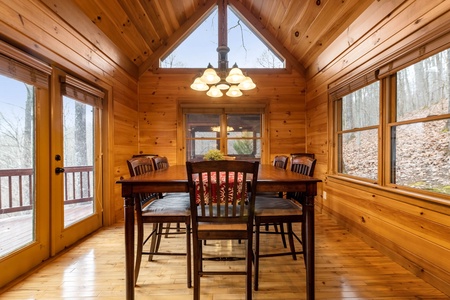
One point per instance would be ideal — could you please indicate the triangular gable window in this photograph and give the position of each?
(200, 47)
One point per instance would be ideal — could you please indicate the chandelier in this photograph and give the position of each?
(216, 82)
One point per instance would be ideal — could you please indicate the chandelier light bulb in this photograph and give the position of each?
(223, 85)
(233, 84)
(199, 85)
(234, 91)
(214, 92)
(236, 76)
(210, 76)
(247, 84)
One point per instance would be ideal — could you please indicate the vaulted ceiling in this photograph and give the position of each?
(136, 33)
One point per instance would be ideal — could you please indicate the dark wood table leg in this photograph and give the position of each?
(129, 247)
(310, 264)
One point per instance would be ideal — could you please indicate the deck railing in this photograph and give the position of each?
(16, 188)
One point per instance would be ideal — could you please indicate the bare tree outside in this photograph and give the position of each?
(17, 129)
(172, 62)
(419, 129)
(269, 60)
(247, 49)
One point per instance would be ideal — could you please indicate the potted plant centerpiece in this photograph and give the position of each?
(213, 154)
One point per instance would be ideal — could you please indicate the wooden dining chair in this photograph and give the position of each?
(301, 154)
(279, 161)
(162, 163)
(157, 211)
(279, 211)
(222, 195)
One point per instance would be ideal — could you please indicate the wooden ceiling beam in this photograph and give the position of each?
(257, 26)
(177, 37)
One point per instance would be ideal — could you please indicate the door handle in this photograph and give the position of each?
(59, 170)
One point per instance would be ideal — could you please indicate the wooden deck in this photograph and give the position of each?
(346, 268)
(17, 231)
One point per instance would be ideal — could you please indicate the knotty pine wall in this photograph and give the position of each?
(34, 28)
(413, 231)
(159, 95)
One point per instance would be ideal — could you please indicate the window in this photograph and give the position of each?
(420, 126)
(247, 48)
(17, 163)
(358, 132)
(237, 135)
(413, 135)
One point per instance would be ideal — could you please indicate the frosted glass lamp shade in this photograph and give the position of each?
(234, 91)
(236, 76)
(199, 85)
(247, 84)
(223, 85)
(214, 92)
(210, 76)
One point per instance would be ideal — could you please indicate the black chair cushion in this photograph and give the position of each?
(169, 205)
(272, 206)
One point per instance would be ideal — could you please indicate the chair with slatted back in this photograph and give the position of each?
(222, 195)
(279, 161)
(303, 164)
(157, 211)
(162, 163)
(301, 154)
(279, 210)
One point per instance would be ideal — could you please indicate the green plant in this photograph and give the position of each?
(243, 147)
(213, 154)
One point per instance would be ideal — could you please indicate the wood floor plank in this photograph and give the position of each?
(346, 268)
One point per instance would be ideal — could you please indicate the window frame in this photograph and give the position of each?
(386, 74)
(222, 108)
(339, 132)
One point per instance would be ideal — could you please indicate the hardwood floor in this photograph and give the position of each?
(346, 268)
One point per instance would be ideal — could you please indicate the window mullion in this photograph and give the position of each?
(384, 133)
(223, 133)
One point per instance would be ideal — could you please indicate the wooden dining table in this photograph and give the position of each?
(174, 179)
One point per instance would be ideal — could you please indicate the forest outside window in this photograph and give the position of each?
(420, 126)
(357, 134)
(237, 135)
(410, 131)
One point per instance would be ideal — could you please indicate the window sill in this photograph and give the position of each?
(440, 203)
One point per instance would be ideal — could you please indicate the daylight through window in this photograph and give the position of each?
(237, 135)
(417, 135)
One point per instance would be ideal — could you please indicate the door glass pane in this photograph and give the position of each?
(17, 211)
(78, 128)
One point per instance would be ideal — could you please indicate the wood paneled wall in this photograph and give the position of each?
(412, 231)
(35, 28)
(159, 95)
(143, 116)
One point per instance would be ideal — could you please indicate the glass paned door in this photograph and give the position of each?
(76, 163)
(78, 140)
(17, 168)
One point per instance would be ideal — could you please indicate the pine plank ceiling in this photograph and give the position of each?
(136, 33)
